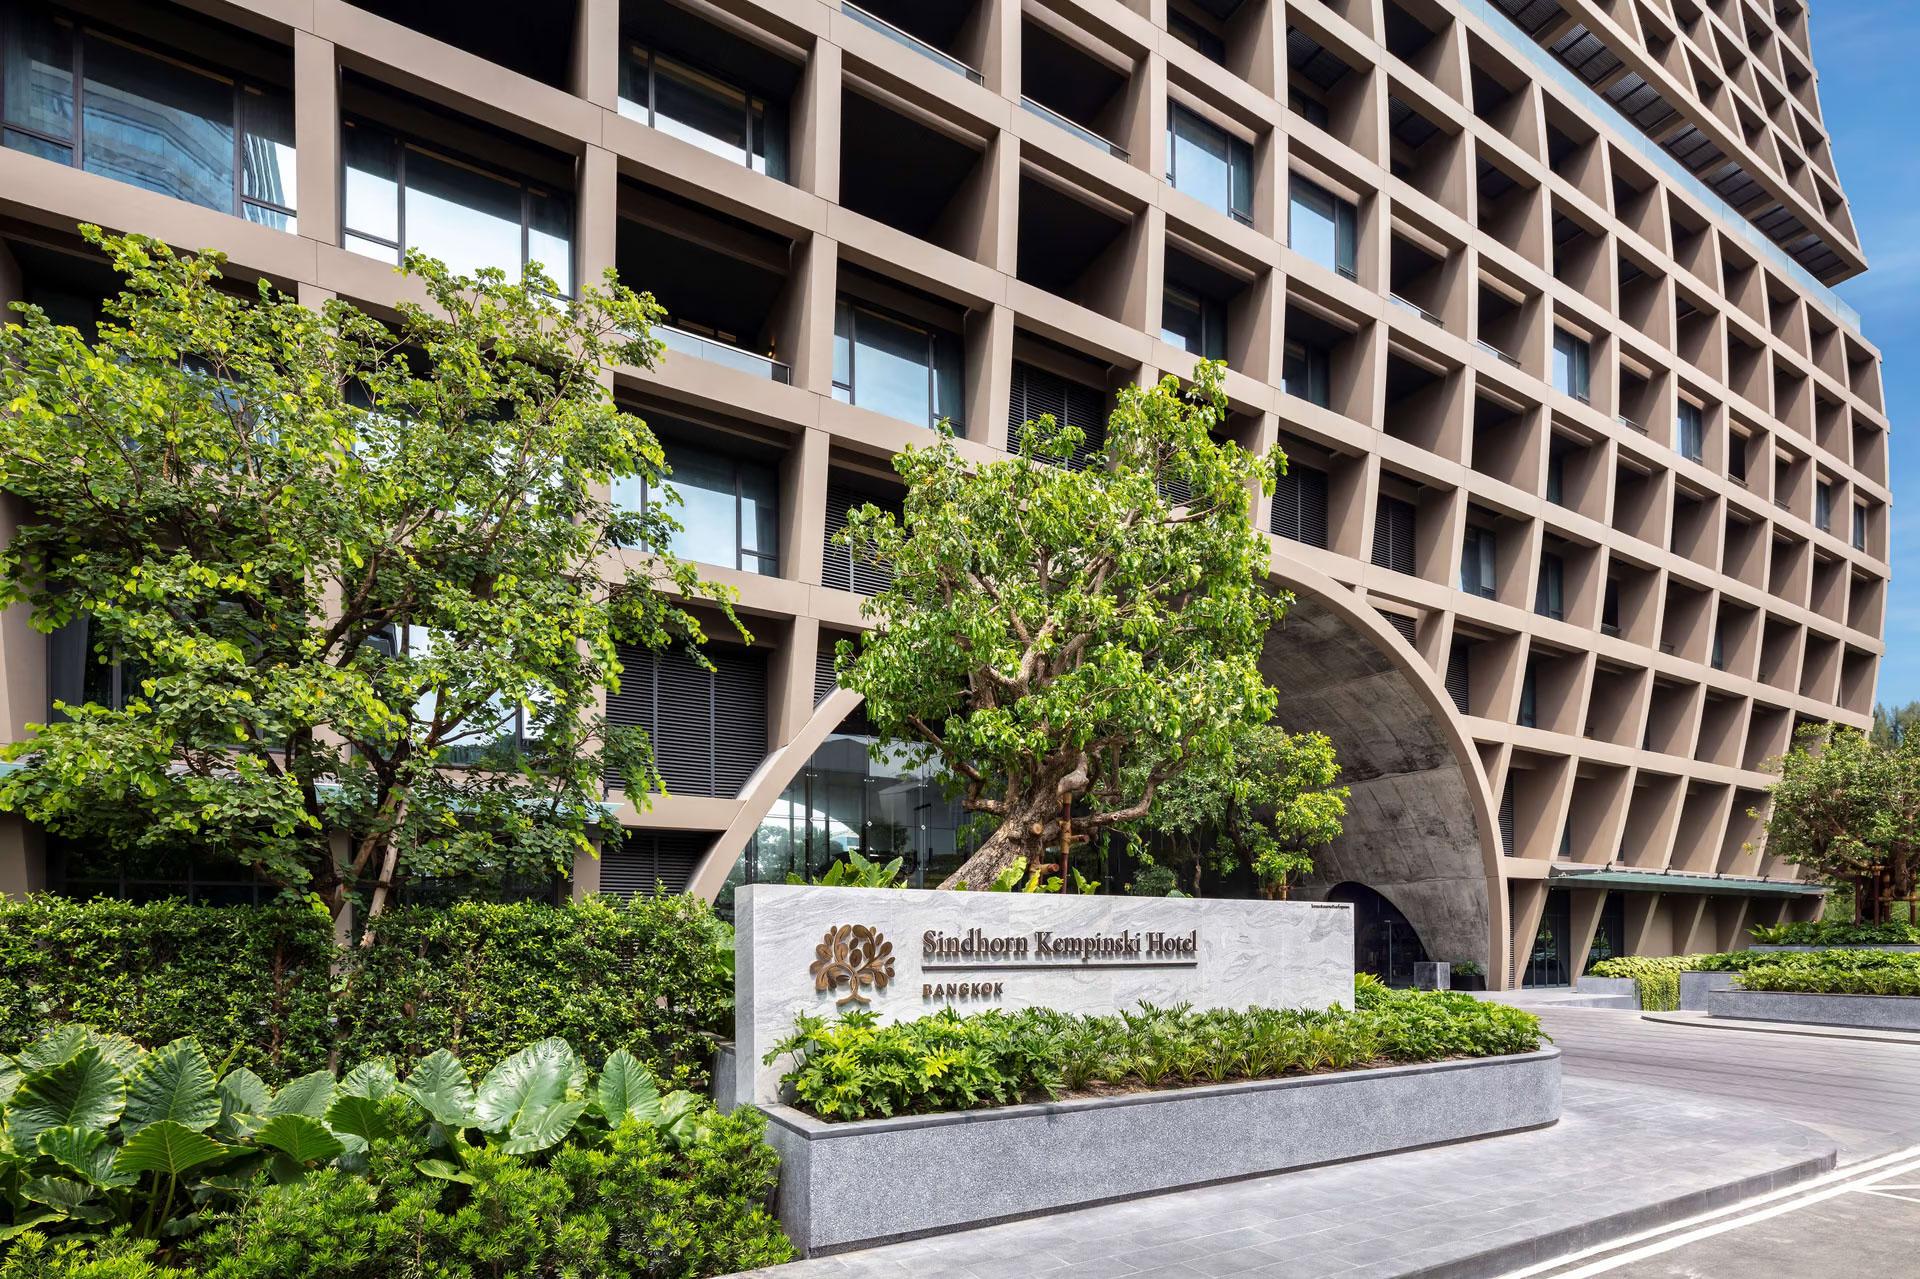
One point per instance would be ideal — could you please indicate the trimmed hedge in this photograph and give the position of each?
(1837, 934)
(1657, 977)
(268, 985)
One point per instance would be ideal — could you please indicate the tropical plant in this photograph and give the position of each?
(1063, 641)
(856, 871)
(1834, 933)
(1154, 880)
(99, 1132)
(1835, 972)
(856, 1067)
(356, 570)
(1848, 811)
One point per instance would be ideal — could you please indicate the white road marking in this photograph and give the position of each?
(1865, 1177)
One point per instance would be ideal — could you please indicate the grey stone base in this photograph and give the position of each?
(846, 1185)
(1610, 988)
(1695, 987)
(1873, 1012)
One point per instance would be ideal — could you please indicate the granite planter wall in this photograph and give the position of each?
(845, 1185)
(1872, 1012)
(1695, 987)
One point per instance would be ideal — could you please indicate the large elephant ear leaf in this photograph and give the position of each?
(167, 1147)
(10, 1077)
(66, 1197)
(174, 1082)
(309, 1095)
(538, 1129)
(84, 1091)
(370, 1079)
(86, 1153)
(532, 1080)
(358, 1120)
(244, 1098)
(627, 1089)
(439, 1086)
(65, 1041)
(301, 1138)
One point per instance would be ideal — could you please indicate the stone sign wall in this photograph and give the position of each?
(905, 953)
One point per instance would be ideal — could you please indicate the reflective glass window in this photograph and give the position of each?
(895, 367)
(157, 125)
(36, 79)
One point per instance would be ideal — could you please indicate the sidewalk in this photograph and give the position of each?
(1623, 1158)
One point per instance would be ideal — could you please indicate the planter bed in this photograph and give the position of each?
(1872, 1012)
(1696, 988)
(1903, 950)
(869, 1181)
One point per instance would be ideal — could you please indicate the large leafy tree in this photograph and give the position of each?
(362, 576)
(1263, 804)
(1066, 640)
(1848, 810)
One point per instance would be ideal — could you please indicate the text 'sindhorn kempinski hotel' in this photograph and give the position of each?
(1588, 504)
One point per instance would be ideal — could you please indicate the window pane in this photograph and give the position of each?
(891, 362)
(1181, 321)
(550, 237)
(707, 507)
(14, 140)
(1310, 225)
(759, 518)
(466, 219)
(260, 215)
(842, 347)
(633, 84)
(373, 195)
(36, 72)
(695, 109)
(372, 248)
(1199, 160)
(1240, 161)
(266, 148)
(155, 125)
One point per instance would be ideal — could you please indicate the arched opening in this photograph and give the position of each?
(1384, 942)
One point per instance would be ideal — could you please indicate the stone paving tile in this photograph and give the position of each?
(1390, 1216)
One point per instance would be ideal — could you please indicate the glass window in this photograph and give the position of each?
(1549, 596)
(729, 508)
(1687, 431)
(1570, 364)
(1209, 164)
(150, 121)
(1477, 563)
(895, 367)
(1195, 324)
(1859, 527)
(372, 190)
(1823, 506)
(1557, 477)
(1529, 699)
(1321, 226)
(466, 218)
(704, 110)
(1304, 372)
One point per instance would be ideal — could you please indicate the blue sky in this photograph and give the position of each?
(1868, 98)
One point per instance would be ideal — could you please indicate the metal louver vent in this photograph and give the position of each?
(825, 679)
(846, 569)
(649, 862)
(1037, 392)
(1404, 624)
(1457, 661)
(1393, 534)
(708, 728)
(1506, 820)
(1300, 505)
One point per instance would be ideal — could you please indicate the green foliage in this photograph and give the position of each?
(1154, 880)
(258, 986)
(1657, 977)
(1835, 933)
(1065, 640)
(536, 1169)
(1261, 803)
(1468, 968)
(1893, 725)
(1836, 972)
(248, 500)
(856, 1067)
(857, 872)
(1848, 810)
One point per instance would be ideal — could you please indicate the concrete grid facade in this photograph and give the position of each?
(1575, 311)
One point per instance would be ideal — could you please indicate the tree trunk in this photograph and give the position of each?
(1013, 839)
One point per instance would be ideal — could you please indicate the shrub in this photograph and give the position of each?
(539, 1169)
(653, 975)
(1823, 933)
(1657, 977)
(855, 1067)
(1829, 972)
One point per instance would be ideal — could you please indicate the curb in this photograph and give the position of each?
(1862, 1034)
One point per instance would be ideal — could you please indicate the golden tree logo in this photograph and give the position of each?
(854, 956)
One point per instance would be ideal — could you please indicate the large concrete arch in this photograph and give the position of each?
(1420, 825)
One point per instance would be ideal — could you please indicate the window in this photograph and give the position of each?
(710, 113)
(1393, 534)
(77, 96)
(1190, 33)
(1458, 686)
(1737, 456)
(1570, 364)
(1305, 370)
(1859, 527)
(1312, 110)
(1195, 324)
(1549, 594)
(1529, 698)
(1209, 164)
(1300, 505)
(1718, 657)
(399, 193)
(708, 727)
(1557, 477)
(729, 508)
(1037, 392)
(1687, 432)
(894, 366)
(1610, 608)
(1477, 562)
(1321, 226)
(1823, 506)
(492, 734)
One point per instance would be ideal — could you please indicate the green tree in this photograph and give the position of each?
(1262, 804)
(363, 576)
(1847, 810)
(1064, 641)
(1892, 725)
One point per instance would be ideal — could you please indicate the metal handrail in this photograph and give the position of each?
(1498, 354)
(1079, 131)
(734, 357)
(912, 41)
(1408, 304)
(1629, 423)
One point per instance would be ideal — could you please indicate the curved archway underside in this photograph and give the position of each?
(1412, 830)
